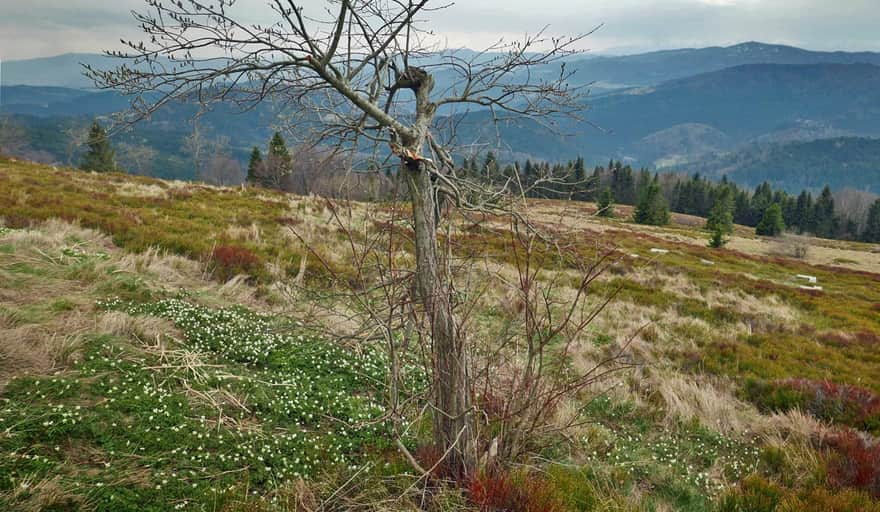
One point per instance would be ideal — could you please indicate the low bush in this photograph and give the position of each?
(229, 261)
(756, 494)
(854, 462)
(496, 489)
(849, 405)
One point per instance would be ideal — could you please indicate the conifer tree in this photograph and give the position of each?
(872, 228)
(100, 156)
(605, 203)
(742, 209)
(823, 214)
(771, 224)
(761, 200)
(716, 239)
(652, 207)
(255, 167)
(721, 214)
(278, 162)
(803, 212)
(579, 177)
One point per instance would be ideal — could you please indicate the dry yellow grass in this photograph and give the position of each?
(864, 257)
(689, 397)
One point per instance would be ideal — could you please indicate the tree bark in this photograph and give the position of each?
(453, 432)
(451, 414)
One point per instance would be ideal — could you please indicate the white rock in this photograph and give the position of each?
(659, 251)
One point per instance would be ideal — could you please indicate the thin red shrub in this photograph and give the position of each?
(497, 490)
(851, 405)
(855, 462)
(229, 261)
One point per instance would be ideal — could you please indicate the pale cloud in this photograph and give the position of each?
(31, 28)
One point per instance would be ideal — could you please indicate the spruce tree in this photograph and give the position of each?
(579, 176)
(872, 228)
(823, 214)
(721, 214)
(278, 162)
(605, 203)
(803, 212)
(100, 156)
(771, 224)
(761, 200)
(716, 239)
(651, 207)
(255, 167)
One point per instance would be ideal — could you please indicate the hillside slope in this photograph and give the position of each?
(141, 370)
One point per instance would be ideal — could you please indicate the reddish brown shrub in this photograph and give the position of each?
(497, 490)
(864, 337)
(855, 462)
(14, 221)
(849, 405)
(229, 261)
(868, 338)
(835, 338)
(288, 221)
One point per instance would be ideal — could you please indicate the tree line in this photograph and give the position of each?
(770, 211)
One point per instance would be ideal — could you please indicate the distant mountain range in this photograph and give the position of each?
(662, 66)
(714, 109)
(59, 71)
(610, 71)
(689, 121)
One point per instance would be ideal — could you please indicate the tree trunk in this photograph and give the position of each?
(452, 416)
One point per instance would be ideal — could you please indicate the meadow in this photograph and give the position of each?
(171, 345)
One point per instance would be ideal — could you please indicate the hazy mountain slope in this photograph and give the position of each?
(839, 162)
(627, 70)
(59, 71)
(59, 101)
(681, 122)
(737, 104)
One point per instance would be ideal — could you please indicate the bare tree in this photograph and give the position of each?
(854, 205)
(197, 146)
(75, 137)
(137, 158)
(363, 72)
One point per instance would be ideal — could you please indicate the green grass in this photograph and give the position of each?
(246, 402)
(302, 407)
(190, 222)
(681, 463)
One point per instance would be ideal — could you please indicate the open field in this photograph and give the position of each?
(141, 369)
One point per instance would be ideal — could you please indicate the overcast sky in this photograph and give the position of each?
(37, 28)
